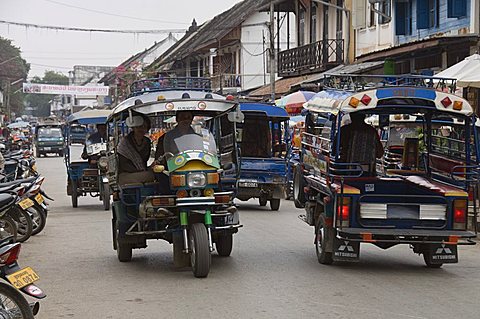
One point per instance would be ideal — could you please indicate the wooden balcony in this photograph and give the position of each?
(311, 58)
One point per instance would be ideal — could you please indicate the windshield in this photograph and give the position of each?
(50, 132)
(77, 129)
(199, 139)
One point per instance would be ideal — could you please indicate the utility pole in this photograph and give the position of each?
(272, 51)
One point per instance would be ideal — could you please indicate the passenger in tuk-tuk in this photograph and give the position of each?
(134, 153)
(360, 143)
(100, 136)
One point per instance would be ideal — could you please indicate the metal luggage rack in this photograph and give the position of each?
(355, 82)
(169, 83)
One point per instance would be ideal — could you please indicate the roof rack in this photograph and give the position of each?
(169, 83)
(356, 82)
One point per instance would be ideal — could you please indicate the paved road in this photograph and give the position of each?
(272, 273)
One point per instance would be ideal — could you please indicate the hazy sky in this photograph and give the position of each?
(61, 50)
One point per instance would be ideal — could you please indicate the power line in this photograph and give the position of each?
(113, 14)
(39, 26)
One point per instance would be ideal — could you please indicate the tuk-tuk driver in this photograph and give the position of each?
(360, 143)
(184, 126)
(100, 136)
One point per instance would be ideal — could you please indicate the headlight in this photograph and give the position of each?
(103, 162)
(196, 179)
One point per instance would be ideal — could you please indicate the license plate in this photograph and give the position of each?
(39, 198)
(47, 148)
(23, 277)
(26, 203)
(247, 183)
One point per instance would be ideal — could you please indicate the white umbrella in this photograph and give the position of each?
(467, 72)
(18, 125)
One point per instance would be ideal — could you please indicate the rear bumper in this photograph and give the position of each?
(407, 236)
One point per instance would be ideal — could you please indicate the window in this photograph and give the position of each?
(373, 21)
(385, 9)
(457, 8)
(301, 25)
(313, 22)
(340, 21)
(403, 18)
(427, 14)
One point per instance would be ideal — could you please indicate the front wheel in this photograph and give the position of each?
(323, 256)
(298, 185)
(106, 197)
(124, 251)
(24, 226)
(224, 245)
(275, 204)
(262, 201)
(200, 257)
(60, 153)
(13, 304)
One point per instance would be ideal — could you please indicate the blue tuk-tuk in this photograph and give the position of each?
(412, 188)
(87, 176)
(264, 144)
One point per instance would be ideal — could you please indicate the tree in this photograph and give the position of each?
(40, 102)
(12, 68)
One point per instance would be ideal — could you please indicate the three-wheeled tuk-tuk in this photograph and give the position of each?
(87, 176)
(187, 203)
(411, 189)
(265, 142)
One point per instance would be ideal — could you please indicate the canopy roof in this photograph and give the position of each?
(269, 110)
(20, 124)
(467, 72)
(89, 117)
(334, 101)
(172, 101)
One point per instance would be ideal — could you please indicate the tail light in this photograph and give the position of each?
(343, 212)
(460, 214)
(34, 190)
(163, 201)
(20, 190)
(11, 255)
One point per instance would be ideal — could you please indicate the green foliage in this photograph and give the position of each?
(40, 102)
(12, 69)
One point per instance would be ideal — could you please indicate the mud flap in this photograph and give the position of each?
(443, 254)
(345, 250)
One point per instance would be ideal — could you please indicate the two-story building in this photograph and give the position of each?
(416, 36)
(232, 49)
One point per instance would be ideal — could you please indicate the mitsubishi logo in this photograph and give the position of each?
(443, 250)
(346, 246)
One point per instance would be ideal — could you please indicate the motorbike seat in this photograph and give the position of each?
(6, 200)
(18, 182)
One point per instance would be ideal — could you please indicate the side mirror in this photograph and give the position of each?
(168, 155)
(236, 117)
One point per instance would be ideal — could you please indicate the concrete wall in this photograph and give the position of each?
(253, 55)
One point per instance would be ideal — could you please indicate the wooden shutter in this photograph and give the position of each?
(359, 14)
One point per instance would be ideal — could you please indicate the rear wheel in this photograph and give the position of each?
(298, 185)
(9, 227)
(262, 201)
(39, 219)
(323, 256)
(275, 204)
(24, 226)
(13, 304)
(224, 244)
(427, 258)
(200, 257)
(74, 194)
(124, 251)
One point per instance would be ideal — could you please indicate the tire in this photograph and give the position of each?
(275, 204)
(200, 257)
(37, 153)
(60, 153)
(9, 227)
(39, 218)
(323, 257)
(106, 197)
(124, 251)
(224, 244)
(298, 185)
(262, 201)
(13, 303)
(24, 226)
(74, 194)
(426, 258)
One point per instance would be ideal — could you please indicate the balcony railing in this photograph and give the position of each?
(311, 58)
(226, 81)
